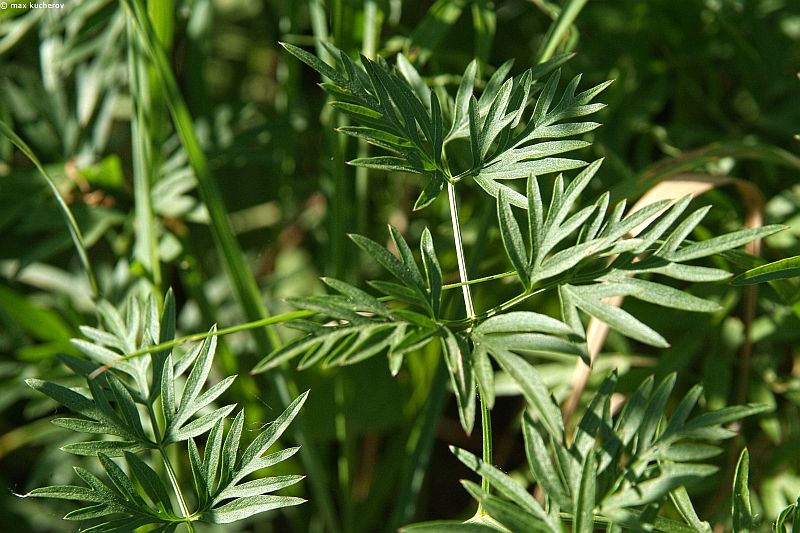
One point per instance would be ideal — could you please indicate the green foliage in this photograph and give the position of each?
(132, 405)
(787, 514)
(742, 512)
(155, 126)
(397, 112)
(617, 470)
(778, 270)
(400, 114)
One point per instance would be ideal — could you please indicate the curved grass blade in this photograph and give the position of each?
(72, 225)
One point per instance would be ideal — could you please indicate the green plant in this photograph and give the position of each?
(618, 471)
(136, 411)
(786, 268)
(584, 253)
(145, 208)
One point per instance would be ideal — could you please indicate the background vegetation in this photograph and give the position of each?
(704, 91)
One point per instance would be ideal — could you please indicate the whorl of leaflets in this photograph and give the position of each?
(135, 409)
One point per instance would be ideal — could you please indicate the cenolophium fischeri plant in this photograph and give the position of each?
(615, 471)
(136, 402)
(618, 469)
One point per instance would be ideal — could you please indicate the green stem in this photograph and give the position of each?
(372, 28)
(154, 421)
(479, 280)
(462, 265)
(294, 315)
(486, 424)
(343, 461)
(277, 319)
(176, 487)
(555, 34)
(486, 435)
(516, 300)
(145, 249)
(418, 450)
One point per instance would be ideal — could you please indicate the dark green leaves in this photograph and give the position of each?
(396, 112)
(592, 257)
(516, 154)
(456, 355)
(248, 506)
(779, 270)
(386, 105)
(512, 239)
(117, 502)
(620, 470)
(507, 487)
(124, 406)
(191, 401)
(512, 332)
(363, 326)
(742, 512)
(615, 317)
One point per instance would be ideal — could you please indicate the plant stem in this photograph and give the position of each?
(369, 47)
(277, 319)
(462, 266)
(479, 280)
(145, 249)
(486, 435)
(560, 25)
(176, 487)
(294, 315)
(343, 461)
(418, 448)
(486, 424)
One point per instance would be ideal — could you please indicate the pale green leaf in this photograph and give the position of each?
(722, 243)
(669, 478)
(242, 508)
(585, 497)
(502, 483)
(778, 270)
(112, 448)
(433, 272)
(533, 389)
(512, 238)
(509, 515)
(456, 357)
(541, 465)
(616, 318)
(267, 438)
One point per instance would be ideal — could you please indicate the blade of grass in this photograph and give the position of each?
(335, 180)
(72, 225)
(555, 35)
(245, 288)
(418, 448)
(484, 23)
(442, 15)
(373, 17)
(242, 280)
(145, 248)
(343, 461)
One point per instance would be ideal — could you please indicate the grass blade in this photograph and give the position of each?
(72, 225)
